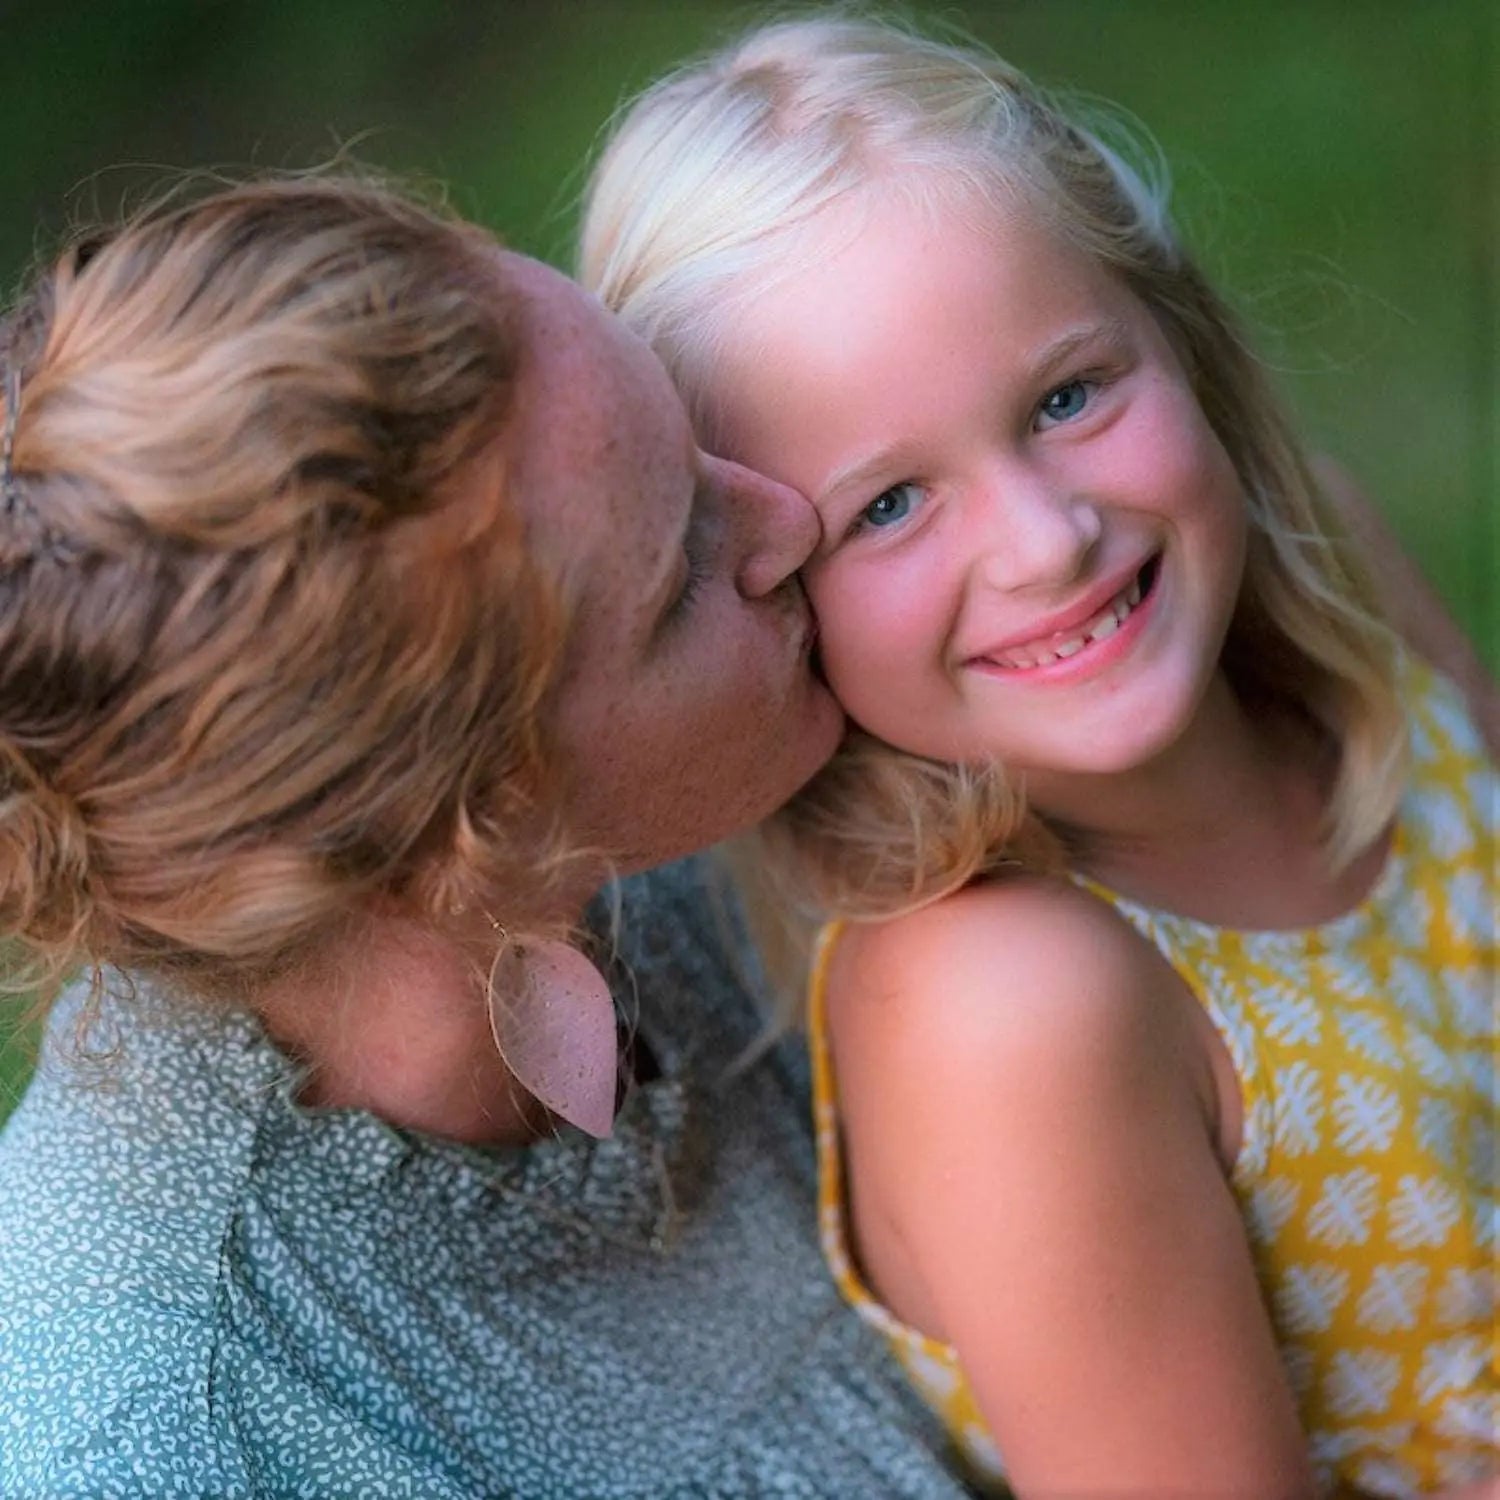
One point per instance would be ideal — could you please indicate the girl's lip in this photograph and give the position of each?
(1040, 634)
(1096, 655)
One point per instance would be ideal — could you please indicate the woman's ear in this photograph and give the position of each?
(553, 1019)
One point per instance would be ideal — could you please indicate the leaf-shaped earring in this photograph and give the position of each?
(554, 1024)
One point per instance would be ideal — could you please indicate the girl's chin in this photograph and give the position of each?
(1097, 755)
(1105, 735)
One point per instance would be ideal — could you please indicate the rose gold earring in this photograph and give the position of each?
(554, 1024)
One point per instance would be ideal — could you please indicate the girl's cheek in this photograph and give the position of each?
(848, 626)
(877, 620)
(829, 595)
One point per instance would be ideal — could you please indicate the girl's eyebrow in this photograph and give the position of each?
(1056, 353)
(1037, 367)
(858, 475)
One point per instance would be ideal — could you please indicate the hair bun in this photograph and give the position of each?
(45, 900)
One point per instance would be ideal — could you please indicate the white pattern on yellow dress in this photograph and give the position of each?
(1366, 1053)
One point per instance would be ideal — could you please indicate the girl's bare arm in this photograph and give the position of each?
(1030, 1125)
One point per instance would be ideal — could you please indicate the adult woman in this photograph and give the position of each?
(364, 603)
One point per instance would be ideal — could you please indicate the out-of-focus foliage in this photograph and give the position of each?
(1337, 165)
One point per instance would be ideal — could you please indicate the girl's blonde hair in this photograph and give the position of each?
(702, 199)
(270, 645)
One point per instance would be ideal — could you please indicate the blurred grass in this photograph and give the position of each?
(18, 1044)
(1336, 163)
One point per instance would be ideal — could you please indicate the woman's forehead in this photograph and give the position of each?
(602, 456)
(593, 382)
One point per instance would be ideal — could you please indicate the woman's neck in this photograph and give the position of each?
(394, 1021)
(1226, 826)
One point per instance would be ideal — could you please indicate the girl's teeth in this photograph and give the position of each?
(1104, 624)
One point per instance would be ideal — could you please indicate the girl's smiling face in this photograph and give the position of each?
(1033, 539)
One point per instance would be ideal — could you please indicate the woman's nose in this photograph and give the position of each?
(775, 529)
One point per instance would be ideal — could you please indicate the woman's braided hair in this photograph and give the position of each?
(270, 645)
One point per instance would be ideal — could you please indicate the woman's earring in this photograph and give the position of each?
(554, 1023)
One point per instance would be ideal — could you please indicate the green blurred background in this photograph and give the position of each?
(1335, 160)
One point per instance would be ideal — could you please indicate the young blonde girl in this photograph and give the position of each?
(1160, 1142)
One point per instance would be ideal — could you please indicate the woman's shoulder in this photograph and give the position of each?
(145, 1110)
(109, 1261)
(102, 1417)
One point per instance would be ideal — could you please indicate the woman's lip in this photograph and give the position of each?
(1095, 657)
(1044, 634)
(804, 634)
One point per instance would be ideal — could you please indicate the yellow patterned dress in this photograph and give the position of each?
(1366, 1053)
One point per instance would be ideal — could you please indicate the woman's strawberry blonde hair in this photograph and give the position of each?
(710, 188)
(270, 645)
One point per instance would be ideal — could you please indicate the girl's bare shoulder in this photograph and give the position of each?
(1001, 964)
(1030, 991)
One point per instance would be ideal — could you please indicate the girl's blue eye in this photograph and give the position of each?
(889, 507)
(1066, 402)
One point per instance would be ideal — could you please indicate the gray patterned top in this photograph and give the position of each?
(207, 1290)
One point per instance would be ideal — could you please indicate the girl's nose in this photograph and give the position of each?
(1037, 535)
(775, 529)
